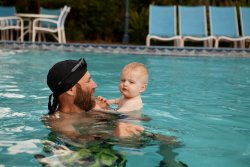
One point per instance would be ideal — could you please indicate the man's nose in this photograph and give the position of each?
(94, 85)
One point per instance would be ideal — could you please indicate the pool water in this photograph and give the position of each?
(203, 101)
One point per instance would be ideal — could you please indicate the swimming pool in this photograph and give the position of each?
(203, 101)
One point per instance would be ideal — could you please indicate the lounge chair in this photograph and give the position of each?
(9, 22)
(162, 24)
(224, 25)
(193, 25)
(245, 24)
(51, 26)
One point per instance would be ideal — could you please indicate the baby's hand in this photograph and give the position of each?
(103, 99)
(101, 103)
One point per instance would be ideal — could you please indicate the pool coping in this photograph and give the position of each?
(127, 49)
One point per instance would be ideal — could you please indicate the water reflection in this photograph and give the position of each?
(87, 139)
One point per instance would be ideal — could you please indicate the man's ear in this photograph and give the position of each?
(143, 88)
(71, 91)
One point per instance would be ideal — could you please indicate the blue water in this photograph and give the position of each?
(203, 101)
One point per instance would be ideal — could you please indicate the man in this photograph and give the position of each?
(72, 87)
(73, 98)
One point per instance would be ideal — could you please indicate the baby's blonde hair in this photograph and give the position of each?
(141, 68)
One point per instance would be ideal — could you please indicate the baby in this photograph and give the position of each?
(134, 80)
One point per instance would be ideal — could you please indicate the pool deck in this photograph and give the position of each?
(127, 49)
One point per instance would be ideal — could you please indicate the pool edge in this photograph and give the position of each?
(127, 49)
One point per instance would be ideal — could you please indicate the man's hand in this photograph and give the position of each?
(126, 130)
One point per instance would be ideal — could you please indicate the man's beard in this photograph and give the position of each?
(84, 99)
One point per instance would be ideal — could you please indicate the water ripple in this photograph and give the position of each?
(12, 95)
(26, 146)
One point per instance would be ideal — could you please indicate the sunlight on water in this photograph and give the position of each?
(12, 95)
(16, 147)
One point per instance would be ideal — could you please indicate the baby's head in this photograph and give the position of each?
(136, 75)
(137, 68)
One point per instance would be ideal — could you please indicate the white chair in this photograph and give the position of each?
(57, 31)
(9, 22)
(45, 11)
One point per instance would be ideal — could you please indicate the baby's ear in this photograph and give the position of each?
(143, 88)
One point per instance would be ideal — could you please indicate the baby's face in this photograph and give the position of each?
(131, 83)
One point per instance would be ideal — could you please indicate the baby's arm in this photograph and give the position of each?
(110, 101)
(113, 101)
(100, 105)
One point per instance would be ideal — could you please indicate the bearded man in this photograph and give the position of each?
(71, 102)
